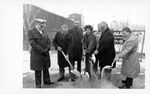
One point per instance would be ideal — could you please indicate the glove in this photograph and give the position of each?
(59, 48)
(96, 52)
(67, 57)
(84, 52)
(116, 58)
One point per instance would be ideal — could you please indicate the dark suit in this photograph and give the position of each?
(77, 34)
(39, 59)
(106, 50)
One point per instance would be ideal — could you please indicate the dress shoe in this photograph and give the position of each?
(123, 81)
(124, 87)
(72, 80)
(61, 78)
(38, 86)
(49, 83)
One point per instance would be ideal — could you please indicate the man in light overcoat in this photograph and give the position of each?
(130, 64)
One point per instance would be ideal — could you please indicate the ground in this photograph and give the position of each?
(28, 75)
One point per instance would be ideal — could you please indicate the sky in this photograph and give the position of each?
(95, 11)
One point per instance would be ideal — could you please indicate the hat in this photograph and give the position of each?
(41, 21)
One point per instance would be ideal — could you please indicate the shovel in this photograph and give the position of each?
(107, 69)
(74, 74)
(90, 74)
(107, 66)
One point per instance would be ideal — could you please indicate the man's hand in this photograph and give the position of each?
(84, 52)
(116, 58)
(67, 57)
(59, 48)
(96, 52)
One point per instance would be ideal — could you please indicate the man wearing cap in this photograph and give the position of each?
(105, 51)
(39, 58)
(77, 34)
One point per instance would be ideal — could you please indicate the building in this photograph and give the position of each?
(54, 22)
(76, 16)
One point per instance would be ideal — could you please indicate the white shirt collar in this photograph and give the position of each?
(39, 30)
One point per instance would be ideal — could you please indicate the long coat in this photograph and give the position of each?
(89, 42)
(77, 34)
(106, 50)
(130, 65)
(39, 58)
(65, 42)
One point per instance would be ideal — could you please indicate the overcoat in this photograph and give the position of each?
(77, 34)
(40, 46)
(130, 64)
(65, 42)
(106, 50)
(89, 42)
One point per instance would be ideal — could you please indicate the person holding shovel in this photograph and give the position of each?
(130, 56)
(89, 44)
(63, 42)
(105, 51)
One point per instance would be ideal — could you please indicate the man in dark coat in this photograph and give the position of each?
(105, 51)
(39, 58)
(77, 34)
(89, 44)
(63, 41)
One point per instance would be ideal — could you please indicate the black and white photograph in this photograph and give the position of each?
(75, 45)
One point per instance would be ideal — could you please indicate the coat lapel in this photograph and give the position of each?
(125, 43)
(103, 36)
(38, 34)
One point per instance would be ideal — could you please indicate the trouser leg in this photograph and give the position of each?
(101, 67)
(96, 63)
(72, 63)
(79, 65)
(87, 64)
(128, 82)
(38, 78)
(46, 76)
(61, 71)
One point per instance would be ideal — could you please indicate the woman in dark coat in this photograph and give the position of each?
(77, 34)
(63, 41)
(89, 44)
(39, 58)
(105, 51)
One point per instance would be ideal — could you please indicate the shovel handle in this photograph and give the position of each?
(66, 59)
(113, 63)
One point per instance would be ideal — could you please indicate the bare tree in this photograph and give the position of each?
(29, 14)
